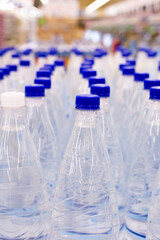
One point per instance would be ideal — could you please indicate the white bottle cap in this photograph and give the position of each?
(12, 99)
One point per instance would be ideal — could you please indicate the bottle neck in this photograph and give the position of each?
(154, 105)
(13, 119)
(105, 104)
(34, 101)
(86, 118)
(59, 71)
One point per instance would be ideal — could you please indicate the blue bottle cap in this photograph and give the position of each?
(35, 90)
(15, 55)
(121, 66)
(86, 65)
(6, 71)
(89, 60)
(46, 69)
(98, 49)
(25, 63)
(59, 62)
(98, 54)
(78, 53)
(120, 48)
(89, 73)
(49, 66)
(82, 69)
(44, 81)
(142, 49)
(102, 90)
(141, 76)
(44, 73)
(96, 80)
(87, 102)
(12, 68)
(152, 54)
(27, 52)
(128, 71)
(148, 83)
(131, 62)
(126, 53)
(155, 93)
(53, 51)
(1, 75)
(41, 54)
(2, 52)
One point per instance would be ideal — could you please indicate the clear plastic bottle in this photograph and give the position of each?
(28, 54)
(42, 59)
(85, 206)
(12, 82)
(142, 59)
(24, 74)
(1, 82)
(153, 230)
(52, 55)
(44, 73)
(43, 135)
(137, 136)
(83, 86)
(6, 73)
(96, 80)
(52, 111)
(15, 59)
(144, 167)
(152, 63)
(111, 142)
(120, 110)
(24, 212)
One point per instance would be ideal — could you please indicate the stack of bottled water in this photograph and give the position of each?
(80, 143)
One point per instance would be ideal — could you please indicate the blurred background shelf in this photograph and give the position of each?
(66, 20)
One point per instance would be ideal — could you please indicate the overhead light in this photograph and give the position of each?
(95, 5)
(10, 6)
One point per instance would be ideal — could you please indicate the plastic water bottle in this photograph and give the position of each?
(73, 68)
(28, 55)
(42, 59)
(43, 135)
(80, 79)
(142, 59)
(24, 74)
(15, 58)
(118, 80)
(1, 82)
(85, 205)
(24, 212)
(124, 97)
(52, 55)
(6, 73)
(13, 83)
(57, 98)
(96, 80)
(52, 111)
(59, 80)
(137, 135)
(144, 168)
(136, 102)
(152, 63)
(83, 87)
(153, 231)
(137, 96)
(112, 144)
